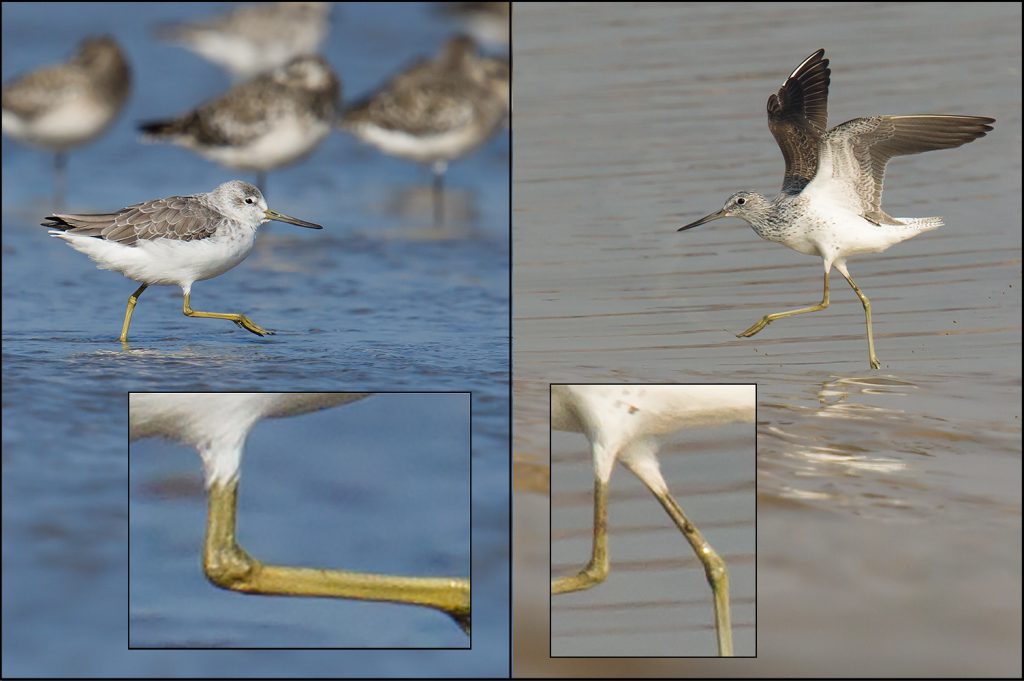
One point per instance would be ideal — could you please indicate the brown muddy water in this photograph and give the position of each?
(888, 530)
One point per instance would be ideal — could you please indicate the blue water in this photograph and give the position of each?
(378, 300)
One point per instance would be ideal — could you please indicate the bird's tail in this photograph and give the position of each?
(896, 230)
(918, 225)
(155, 131)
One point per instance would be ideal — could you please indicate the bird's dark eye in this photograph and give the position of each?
(740, 202)
(250, 200)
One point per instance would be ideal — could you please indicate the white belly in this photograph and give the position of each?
(166, 262)
(74, 122)
(289, 140)
(444, 146)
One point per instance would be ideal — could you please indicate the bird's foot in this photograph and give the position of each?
(764, 321)
(251, 326)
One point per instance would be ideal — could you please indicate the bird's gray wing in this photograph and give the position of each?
(860, 149)
(182, 218)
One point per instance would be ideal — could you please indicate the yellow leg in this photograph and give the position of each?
(597, 569)
(240, 319)
(227, 565)
(872, 357)
(714, 570)
(768, 319)
(132, 299)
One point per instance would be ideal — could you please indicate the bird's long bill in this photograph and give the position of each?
(707, 218)
(281, 217)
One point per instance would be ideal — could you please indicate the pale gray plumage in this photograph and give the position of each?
(181, 218)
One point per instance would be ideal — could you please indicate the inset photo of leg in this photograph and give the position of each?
(355, 505)
(679, 583)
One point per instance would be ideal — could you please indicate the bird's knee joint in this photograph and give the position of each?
(716, 570)
(596, 571)
(230, 568)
